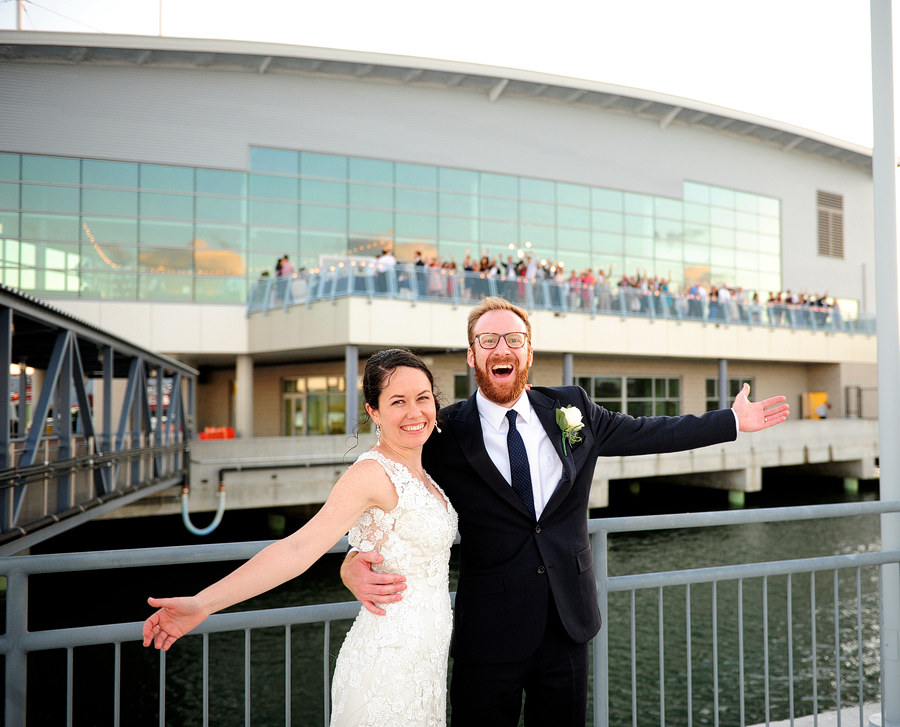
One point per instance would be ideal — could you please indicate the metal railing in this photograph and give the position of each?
(343, 277)
(18, 640)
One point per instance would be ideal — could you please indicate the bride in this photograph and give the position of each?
(391, 670)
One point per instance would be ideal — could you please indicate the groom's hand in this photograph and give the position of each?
(368, 586)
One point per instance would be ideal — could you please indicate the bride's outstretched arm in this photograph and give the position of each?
(364, 485)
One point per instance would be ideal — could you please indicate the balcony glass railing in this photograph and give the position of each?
(344, 277)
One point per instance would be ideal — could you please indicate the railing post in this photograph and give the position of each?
(601, 640)
(16, 675)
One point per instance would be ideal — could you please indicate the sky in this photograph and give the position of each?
(804, 62)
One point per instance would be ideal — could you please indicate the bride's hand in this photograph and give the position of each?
(175, 618)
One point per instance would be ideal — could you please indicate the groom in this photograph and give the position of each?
(526, 603)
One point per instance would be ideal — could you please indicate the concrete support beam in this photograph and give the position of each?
(243, 403)
(568, 369)
(723, 384)
(351, 374)
(743, 480)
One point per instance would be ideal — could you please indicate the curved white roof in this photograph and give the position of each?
(494, 81)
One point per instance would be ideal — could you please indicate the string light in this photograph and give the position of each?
(100, 252)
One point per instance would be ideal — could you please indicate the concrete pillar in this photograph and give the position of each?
(473, 387)
(37, 383)
(723, 384)
(243, 401)
(568, 369)
(887, 285)
(351, 375)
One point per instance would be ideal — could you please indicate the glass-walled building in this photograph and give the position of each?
(93, 228)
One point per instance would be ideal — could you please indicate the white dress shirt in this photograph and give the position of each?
(543, 461)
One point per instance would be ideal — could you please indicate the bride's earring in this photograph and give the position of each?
(378, 432)
(437, 428)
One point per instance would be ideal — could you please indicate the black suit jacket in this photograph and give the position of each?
(509, 562)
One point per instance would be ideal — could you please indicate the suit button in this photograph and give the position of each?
(537, 528)
(541, 570)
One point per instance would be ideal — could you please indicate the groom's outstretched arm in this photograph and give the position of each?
(368, 586)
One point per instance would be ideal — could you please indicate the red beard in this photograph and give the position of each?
(505, 393)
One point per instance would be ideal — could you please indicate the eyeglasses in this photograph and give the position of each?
(490, 340)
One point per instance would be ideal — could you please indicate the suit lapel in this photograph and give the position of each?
(467, 428)
(545, 409)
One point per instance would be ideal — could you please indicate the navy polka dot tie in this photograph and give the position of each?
(518, 464)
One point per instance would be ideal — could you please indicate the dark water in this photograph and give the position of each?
(96, 598)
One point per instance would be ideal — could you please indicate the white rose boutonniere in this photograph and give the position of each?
(569, 420)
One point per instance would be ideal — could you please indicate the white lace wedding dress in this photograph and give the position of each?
(392, 670)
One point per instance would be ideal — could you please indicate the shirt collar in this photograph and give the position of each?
(494, 414)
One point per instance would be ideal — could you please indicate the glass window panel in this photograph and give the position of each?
(269, 187)
(722, 276)
(220, 289)
(769, 264)
(659, 388)
(694, 192)
(720, 237)
(539, 190)
(9, 223)
(746, 241)
(109, 258)
(538, 235)
(221, 209)
(574, 194)
(274, 213)
(54, 281)
(576, 261)
(327, 166)
(535, 212)
(666, 408)
(371, 221)
(505, 232)
(278, 161)
(642, 226)
(9, 166)
(365, 195)
(28, 254)
(258, 263)
(316, 422)
(722, 257)
(416, 200)
(165, 260)
(218, 262)
(744, 202)
(671, 209)
(109, 202)
(769, 206)
(44, 198)
(573, 239)
(416, 225)
(416, 175)
(640, 408)
(154, 232)
(604, 242)
(721, 217)
(768, 280)
(573, 217)
(165, 287)
(500, 185)
(457, 228)
(458, 180)
(638, 246)
(274, 239)
(328, 192)
(607, 387)
(769, 245)
(51, 169)
(669, 250)
(221, 236)
(719, 197)
(746, 260)
(639, 388)
(405, 250)
(109, 174)
(102, 230)
(9, 196)
(645, 266)
(769, 225)
(334, 218)
(608, 221)
(371, 170)
(50, 227)
(668, 229)
(607, 199)
(748, 279)
(499, 209)
(696, 213)
(674, 388)
(171, 206)
(167, 179)
(696, 254)
(108, 285)
(638, 204)
(746, 222)
(696, 233)
(458, 204)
